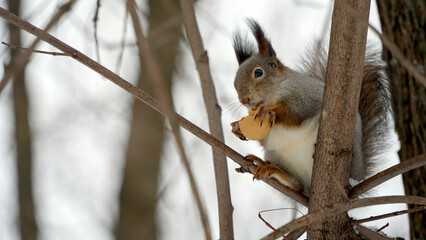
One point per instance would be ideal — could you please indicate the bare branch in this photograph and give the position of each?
(406, 63)
(214, 116)
(150, 101)
(370, 234)
(298, 232)
(387, 174)
(384, 226)
(275, 209)
(392, 214)
(36, 51)
(320, 214)
(95, 29)
(294, 235)
(22, 59)
(123, 43)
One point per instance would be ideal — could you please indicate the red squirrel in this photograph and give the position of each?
(291, 101)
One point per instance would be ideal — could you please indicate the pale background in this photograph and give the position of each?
(80, 123)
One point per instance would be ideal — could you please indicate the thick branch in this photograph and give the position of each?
(294, 235)
(387, 174)
(334, 148)
(214, 115)
(388, 215)
(147, 99)
(325, 212)
(370, 234)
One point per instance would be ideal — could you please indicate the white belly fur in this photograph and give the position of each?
(293, 147)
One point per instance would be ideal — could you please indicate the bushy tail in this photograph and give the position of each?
(375, 106)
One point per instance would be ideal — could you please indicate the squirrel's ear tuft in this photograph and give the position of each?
(265, 47)
(243, 48)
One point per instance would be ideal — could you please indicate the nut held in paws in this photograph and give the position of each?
(251, 128)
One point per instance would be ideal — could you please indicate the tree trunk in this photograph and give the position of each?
(138, 196)
(333, 153)
(404, 23)
(27, 220)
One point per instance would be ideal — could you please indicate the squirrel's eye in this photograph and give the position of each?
(258, 73)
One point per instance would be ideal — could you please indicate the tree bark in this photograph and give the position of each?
(28, 225)
(334, 147)
(404, 23)
(138, 196)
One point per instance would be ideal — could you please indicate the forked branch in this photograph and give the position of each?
(340, 208)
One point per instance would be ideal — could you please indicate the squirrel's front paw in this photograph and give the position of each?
(237, 132)
(264, 113)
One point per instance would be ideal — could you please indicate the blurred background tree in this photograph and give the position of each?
(24, 160)
(139, 193)
(404, 23)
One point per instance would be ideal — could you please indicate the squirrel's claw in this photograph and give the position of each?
(237, 132)
(254, 159)
(264, 112)
(272, 118)
(260, 111)
(269, 170)
(266, 171)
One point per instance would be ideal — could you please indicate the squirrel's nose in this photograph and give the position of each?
(245, 100)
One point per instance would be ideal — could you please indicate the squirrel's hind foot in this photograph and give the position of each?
(266, 169)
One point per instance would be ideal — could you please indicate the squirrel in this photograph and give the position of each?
(290, 101)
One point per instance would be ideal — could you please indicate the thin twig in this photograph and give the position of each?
(392, 214)
(95, 29)
(387, 174)
(150, 101)
(265, 222)
(339, 208)
(214, 115)
(370, 234)
(384, 226)
(158, 81)
(36, 51)
(276, 209)
(406, 63)
(21, 59)
(271, 210)
(123, 43)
